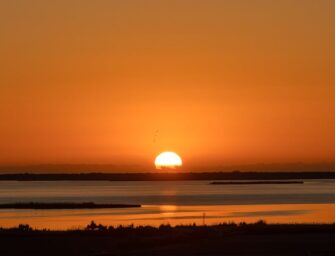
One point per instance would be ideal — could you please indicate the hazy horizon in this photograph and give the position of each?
(113, 168)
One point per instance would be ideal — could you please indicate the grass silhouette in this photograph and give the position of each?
(240, 239)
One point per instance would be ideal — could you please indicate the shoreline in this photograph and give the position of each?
(156, 176)
(64, 206)
(262, 182)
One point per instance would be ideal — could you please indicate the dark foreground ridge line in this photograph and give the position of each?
(224, 239)
(272, 182)
(226, 227)
(47, 206)
(236, 175)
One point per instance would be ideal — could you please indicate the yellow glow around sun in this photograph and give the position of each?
(168, 160)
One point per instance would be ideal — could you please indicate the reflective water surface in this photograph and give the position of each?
(173, 202)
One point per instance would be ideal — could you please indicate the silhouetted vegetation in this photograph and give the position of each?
(24, 227)
(236, 175)
(224, 239)
(47, 206)
(224, 228)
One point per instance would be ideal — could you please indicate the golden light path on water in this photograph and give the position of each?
(156, 215)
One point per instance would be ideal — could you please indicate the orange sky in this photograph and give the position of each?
(223, 82)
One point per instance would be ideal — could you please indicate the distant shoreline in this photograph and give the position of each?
(269, 182)
(156, 176)
(60, 206)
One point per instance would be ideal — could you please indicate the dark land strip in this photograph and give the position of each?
(50, 206)
(225, 239)
(261, 182)
(236, 175)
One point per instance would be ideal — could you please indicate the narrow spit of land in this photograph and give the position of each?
(261, 182)
(51, 206)
(226, 239)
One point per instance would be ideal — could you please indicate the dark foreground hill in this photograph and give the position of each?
(226, 239)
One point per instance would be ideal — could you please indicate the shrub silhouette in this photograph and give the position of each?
(24, 227)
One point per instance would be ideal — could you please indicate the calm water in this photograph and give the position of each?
(174, 202)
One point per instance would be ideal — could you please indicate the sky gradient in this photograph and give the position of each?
(116, 82)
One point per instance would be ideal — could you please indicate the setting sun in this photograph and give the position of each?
(168, 160)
